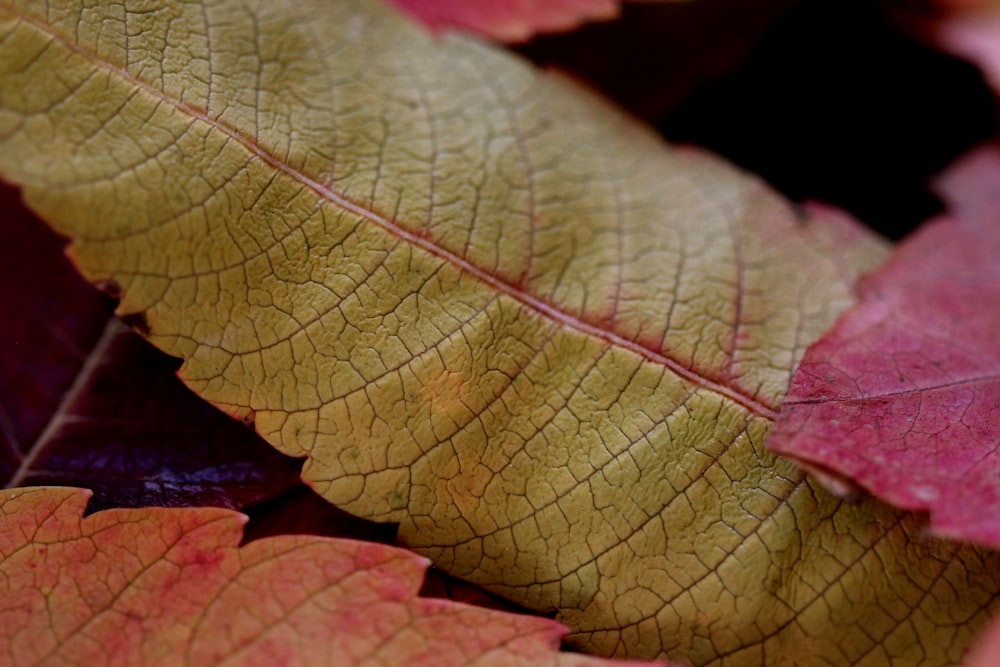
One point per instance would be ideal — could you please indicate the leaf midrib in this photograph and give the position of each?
(57, 420)
(527, 299)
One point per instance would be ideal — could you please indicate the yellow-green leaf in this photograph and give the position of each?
(485, 306)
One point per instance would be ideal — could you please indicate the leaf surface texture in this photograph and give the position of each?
(168, 587)
(486, 306)
(903, 394)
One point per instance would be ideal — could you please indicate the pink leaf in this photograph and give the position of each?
(903, 394)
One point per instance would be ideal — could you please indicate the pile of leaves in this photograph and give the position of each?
(470, 300)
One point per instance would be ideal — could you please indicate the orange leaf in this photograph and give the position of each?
(173, 587)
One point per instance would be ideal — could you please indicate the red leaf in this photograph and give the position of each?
(903, 394)
(87, 402)
(508, 20)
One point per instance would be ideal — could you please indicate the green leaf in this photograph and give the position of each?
(485, 305)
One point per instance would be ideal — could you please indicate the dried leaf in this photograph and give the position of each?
(484, 305)
(172, 587)
(903, 395)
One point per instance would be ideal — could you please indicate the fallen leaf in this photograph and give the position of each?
(508, 20)
(903, 395)
(88, 402)
(173, 587)
(487, 306)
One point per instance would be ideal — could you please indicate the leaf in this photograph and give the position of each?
(131, 432)
(486, 306)
(86, 401)
(508, 20)
(172, 587)
(903, 395)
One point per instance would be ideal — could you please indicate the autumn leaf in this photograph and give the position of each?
(88, 402)
(173, 587)
(484, 305)
(124, 423)
(903, 395)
